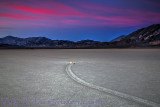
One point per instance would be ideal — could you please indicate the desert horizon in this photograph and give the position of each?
(79, 53)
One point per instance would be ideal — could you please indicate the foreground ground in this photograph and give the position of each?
(40, 76)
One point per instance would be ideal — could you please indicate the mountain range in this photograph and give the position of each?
(145, 37)
(148, 36)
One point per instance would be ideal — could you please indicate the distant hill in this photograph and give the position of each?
(27, 42)
(145, 37)
(87, 42)
(42, 42)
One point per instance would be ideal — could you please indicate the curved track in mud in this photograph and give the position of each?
(116, 93)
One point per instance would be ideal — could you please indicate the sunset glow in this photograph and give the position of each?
(75, 20)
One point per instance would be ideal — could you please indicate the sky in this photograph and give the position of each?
(75, 20)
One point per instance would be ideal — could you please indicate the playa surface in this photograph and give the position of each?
(39, 75)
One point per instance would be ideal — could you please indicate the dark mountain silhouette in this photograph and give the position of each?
(145, 37)
(148, 36)
(31, 41)
(34, 42)
(87, 42)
